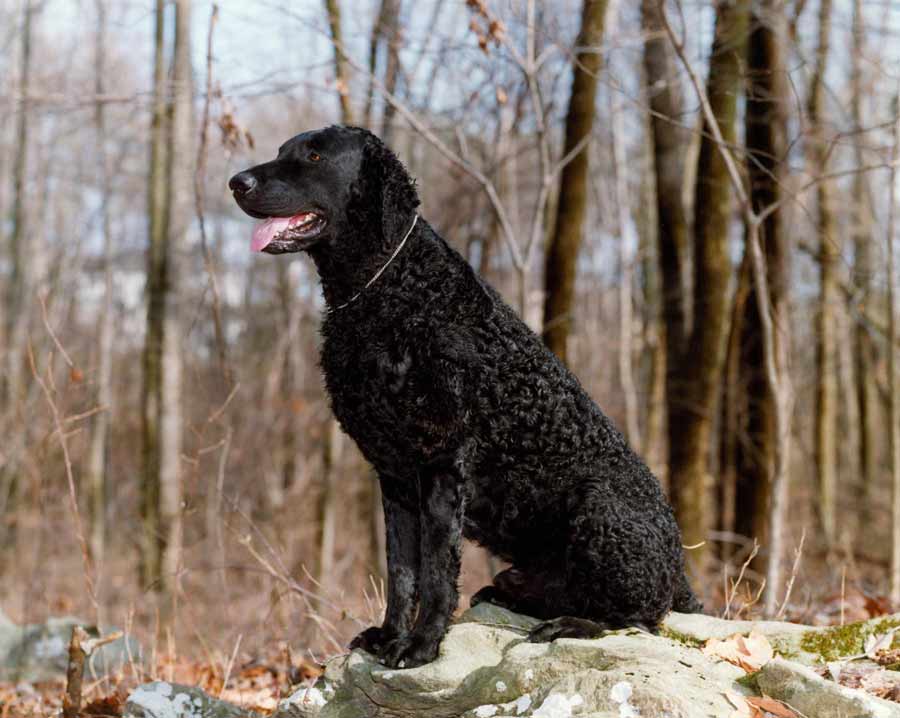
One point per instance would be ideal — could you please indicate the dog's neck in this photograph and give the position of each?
(350, 262)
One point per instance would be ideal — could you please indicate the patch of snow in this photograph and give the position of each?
(522, 704)
(621, 693)
(500, 686)
(156, 699)
(556, 705)
(328, 690)
(529, 675)
(486, 711)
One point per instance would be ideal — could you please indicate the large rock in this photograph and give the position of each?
(486, 669)
(40, 651)
(160, 699)
(811, 695)
(804, 644)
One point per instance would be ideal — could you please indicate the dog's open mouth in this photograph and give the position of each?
(277, 235)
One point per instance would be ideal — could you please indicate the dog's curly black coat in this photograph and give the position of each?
(475, 430)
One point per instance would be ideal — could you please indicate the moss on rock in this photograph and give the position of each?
(835, 642)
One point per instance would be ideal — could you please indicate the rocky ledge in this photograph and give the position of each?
(698, 666)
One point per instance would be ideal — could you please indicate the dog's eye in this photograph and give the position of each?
(315, 157)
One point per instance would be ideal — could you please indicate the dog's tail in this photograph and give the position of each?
(685, 601)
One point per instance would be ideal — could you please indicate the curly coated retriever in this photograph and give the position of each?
(474, 428)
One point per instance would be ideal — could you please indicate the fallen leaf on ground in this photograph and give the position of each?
(749, 652)
(771, 707)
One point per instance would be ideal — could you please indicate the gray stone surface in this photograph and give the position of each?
(40, 651)
(486, 669)
(172, 700)
(810, 694)
(809, 645)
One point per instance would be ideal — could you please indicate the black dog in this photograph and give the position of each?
(474, 427)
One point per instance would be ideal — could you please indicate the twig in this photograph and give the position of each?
(70, 477)
(729, 597)
(237, 645)
(798, 553)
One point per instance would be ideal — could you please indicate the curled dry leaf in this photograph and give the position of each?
(742, 709)
(749, 652)
(771, 707)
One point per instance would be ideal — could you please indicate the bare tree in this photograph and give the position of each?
(385, 34)
(171, 184)
(97, 453)
(342, 80)
(565, 241)
(865, 348)
(157, 266)
(180, 212)
(777, 378)
(767, 148)
(696, 377)
(826, 378)
(19, 287)
(894, 380)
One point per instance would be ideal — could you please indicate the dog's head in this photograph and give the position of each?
(323, 186)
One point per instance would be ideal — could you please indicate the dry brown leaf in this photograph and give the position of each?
(772, 707)
(749, 652)
(742, 709)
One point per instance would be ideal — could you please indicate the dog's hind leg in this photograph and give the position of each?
(621, 567)
(522, 591)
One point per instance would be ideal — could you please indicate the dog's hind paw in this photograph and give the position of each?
(493, 596)
(566, 627)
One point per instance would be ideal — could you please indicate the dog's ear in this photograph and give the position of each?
(387, 188)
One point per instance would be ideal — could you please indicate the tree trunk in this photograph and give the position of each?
(767, 147)
(181, 186)
(826, 370)
(627, 258)
(96, 463)
(385, 33)
(332, 447)
(157, 212)
(670, 142)
(893, 379)
(562, 254)
(341, 77)
(696, 377)
(171, 190)
(865, 349)
(17, 305)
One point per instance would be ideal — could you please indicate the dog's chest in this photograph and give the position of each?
(378, 391)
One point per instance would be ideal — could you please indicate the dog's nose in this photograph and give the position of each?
(242, 183)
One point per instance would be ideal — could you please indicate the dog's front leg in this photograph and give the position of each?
(441, 515)
(401, 522)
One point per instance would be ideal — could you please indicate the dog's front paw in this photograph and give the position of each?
(373, 640)
(411, 651)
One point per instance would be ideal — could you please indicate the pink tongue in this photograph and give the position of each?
(265, 232)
